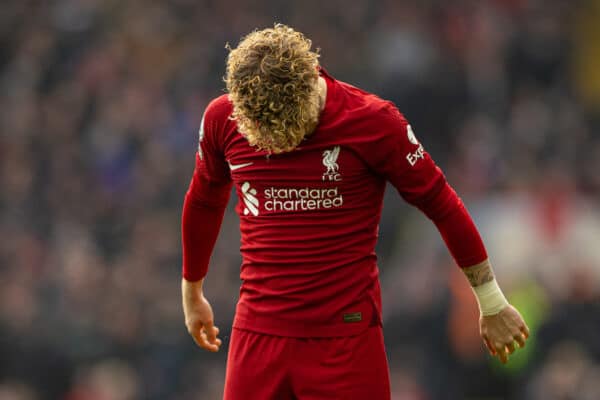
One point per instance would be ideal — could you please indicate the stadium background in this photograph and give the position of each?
(100, 103)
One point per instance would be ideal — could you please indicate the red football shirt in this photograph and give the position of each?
(309, 218)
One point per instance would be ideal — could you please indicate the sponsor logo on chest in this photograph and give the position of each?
(282, 199)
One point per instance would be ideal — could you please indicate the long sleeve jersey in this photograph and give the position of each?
(309, 218)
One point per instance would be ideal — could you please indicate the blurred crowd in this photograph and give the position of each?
(100, 103)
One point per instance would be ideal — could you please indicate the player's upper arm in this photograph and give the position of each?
(396, 154)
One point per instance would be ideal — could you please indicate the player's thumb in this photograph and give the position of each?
(211, 332)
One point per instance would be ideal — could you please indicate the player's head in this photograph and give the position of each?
(272, 80)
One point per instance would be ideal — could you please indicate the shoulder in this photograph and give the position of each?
(219, 109)
(216, 117)
(216, 122)
(365, 104)
(374, 126)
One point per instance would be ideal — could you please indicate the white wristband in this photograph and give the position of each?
(490, 298)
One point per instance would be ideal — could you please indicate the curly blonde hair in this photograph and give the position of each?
(272, 80)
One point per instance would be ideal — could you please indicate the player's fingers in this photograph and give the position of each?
(204, 343)
(510, 347)
(212, 340)
(201, 340)
(525, 329)
(520, 339)
(211, 332)
(489, 346)
(503, 357)
(217, 330)
(501, 352)
(197, 336)
(208, 325)
(217, 342)
(211, 336)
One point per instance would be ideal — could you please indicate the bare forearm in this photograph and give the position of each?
(489, 296)
(191, 289)
(191, 294)
(479, 274)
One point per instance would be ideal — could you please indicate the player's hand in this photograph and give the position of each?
(199, 318)
(500, 332)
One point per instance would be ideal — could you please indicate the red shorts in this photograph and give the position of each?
(264, 367)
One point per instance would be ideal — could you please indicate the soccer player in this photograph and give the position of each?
(309, 157)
